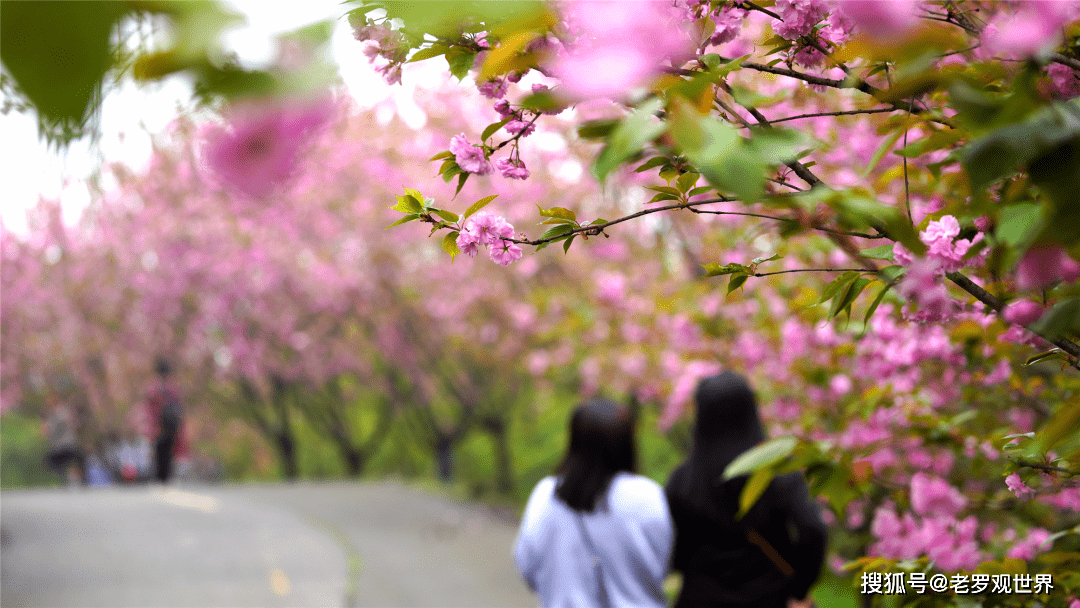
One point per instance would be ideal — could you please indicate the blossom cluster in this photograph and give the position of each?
(491, 231)
(931, 528)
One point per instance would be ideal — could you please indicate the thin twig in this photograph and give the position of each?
(843, 113)
(765, 274)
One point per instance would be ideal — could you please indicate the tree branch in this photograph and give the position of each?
(989, 299)
(1044, 467)
(842, 113)
(766, 274)
(1065, 60)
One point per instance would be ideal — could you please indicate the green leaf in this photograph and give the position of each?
(664, 189)
(566, 244)
(1019, 225)
(1063, 425)
(408, 204)
(882, 149)
(1047, 356)
(736, 281)
(449, 245)
(629, 137)
(462, 178)
(652, 163)
(848, 296)
(558, 212)
(730, 66)
(755, 486)
(877, 302)
(714, 269)
(460, 62)
(501, 59)
(478, 205)
(597, 129)
(663, 196)
(699, 190)
(837, 284)
(449, 216)
(1061, 320)
(441, 156)
(58, 53)
(762, 260)
(428, 53)
(760, 456)
(407, 218)
(718, 152)
(686, 181)
(884, 252)
(494, 127)
(556, 231)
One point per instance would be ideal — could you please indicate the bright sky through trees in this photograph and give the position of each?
(29, 169)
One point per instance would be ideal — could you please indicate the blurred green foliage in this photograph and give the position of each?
(22, 454)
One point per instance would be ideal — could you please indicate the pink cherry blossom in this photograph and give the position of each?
(798, 17)
(1022, 312)
(1065, 80)
(489, 228)
(729, 22)
(525, 128)
(1044, 265)
(469, 157)
(1034, 543)
(505, 253)
(934, 496)
(467, 243)
(622, 45)
(259, 147)
(881, 20)
(1018, 487)
(512, 168)
(1032, 31)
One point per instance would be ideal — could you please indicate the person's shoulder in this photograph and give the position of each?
(638, 489)
(545, 487)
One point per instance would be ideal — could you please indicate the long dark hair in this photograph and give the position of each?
(727, 424)
(601, 446)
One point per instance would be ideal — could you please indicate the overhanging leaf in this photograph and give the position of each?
(762, 455)
(629, 137)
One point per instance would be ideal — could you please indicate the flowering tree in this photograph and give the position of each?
(946, 132)
(909, 168)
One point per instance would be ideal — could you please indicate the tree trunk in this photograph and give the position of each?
(444, 457)
(354, 461)
(287, 450)
(504, 459)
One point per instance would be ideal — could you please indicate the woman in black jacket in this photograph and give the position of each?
(771, 556)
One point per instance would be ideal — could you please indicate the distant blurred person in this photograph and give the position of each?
(772, 555)
(596, 534)
(163, 404)
(64, 455)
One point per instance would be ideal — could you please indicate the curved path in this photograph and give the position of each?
(324, 544)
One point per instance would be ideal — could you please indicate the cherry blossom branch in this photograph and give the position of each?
(1044, 467)
(598, 229)
(989, 299)
(842, 113)
(765, 274)
(1065, 60)
(788, 219)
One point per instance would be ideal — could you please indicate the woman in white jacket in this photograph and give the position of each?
(596, 533)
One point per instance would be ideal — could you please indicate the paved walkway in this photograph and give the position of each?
(334, 544)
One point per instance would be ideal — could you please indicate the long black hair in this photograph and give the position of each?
(727, 424)
(601, 446)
